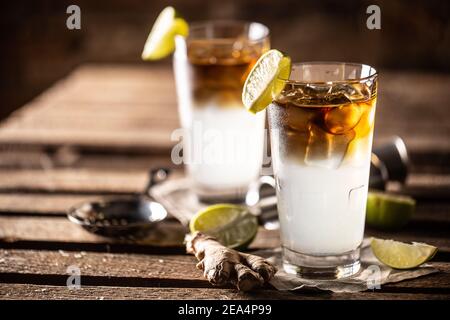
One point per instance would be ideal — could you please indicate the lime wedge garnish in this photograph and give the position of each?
(233, 225)
(261, 84)
(161, 40)
(401, 255)
(388, 210)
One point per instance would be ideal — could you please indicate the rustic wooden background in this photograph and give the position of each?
(97, 131)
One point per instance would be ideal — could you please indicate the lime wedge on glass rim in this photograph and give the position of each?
(401, 255)
(262, 82)
(233, 225)
(387, 211)
(161, 40)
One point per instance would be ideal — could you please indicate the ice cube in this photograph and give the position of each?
(339, 120)
(317, 90)
(326, 150)
(299, 118)
(361, 92)
(295, 144)
(352, 91)
(365, 124)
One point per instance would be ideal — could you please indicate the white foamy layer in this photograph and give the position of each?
(322, 211)
(226, 146)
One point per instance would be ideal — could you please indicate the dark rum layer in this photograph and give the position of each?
(219, 68)
(314, 133)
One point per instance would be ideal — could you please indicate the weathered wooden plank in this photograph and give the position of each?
(113, 85)
(428, 186)
(93, 123)
(60, 233)
(98, 93)
(45, 292)
(38, 292)
(429, 216)
(152, 269)
(150, 140)
(133, 180)
(39, 204)
(123, 75)
(19, 157)
(70, 180)
(155, 110)
(50, 267)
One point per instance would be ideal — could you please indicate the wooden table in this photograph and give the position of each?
(98, 131)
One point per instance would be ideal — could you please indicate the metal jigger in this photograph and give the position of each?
(389, 163)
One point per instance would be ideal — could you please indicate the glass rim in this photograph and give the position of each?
(228, 22)
(355, 80)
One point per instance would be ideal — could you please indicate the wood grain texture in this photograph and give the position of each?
(128, 179)
(38, 204)
(58, 231)
(73, 180)
(99, 130)
(50, 267)
(47, 292)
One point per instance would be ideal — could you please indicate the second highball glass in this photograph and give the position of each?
(223, 147)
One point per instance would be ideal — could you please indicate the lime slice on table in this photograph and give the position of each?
(262, 82)
(401, 255)
(233, 225)
(387, 211)
(161, 40)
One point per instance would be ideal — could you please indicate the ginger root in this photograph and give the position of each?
(222, 265)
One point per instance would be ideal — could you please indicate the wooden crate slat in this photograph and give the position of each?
(156, 110)
(69, 180)
(59, 231)
(146, 270)
(39, 204)
(46, 292)
(132, 180)
(148, 141)
(55, 231)
(151, 267)
(20, 158)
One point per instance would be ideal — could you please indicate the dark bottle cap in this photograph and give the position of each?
(394, 157)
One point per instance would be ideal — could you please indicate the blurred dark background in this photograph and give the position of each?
(37, 48)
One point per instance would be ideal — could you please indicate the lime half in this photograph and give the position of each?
(233, 225)
(401, 255)
(261, 83)
(161, 40)
(388, 211)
